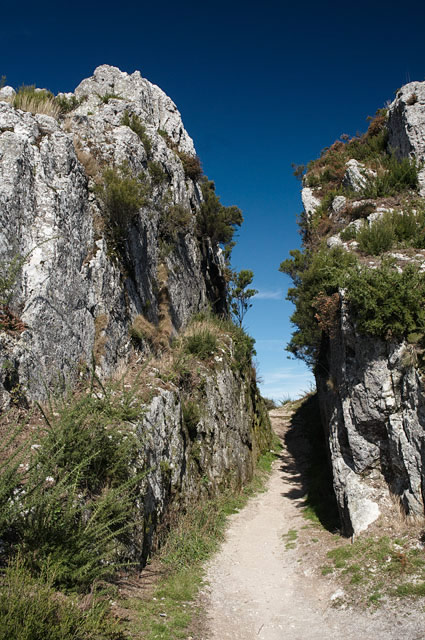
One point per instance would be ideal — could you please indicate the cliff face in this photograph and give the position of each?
(77, 293)
(104, 263)
(373, 407)
(360, 313)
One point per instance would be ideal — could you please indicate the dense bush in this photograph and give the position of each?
(387, 303)
(123, 196)
(384, 302)
(73, 508)
(214, 220)
(314, 274)
(377, 237)
(157, 173)
(174, 220)
(404, 228)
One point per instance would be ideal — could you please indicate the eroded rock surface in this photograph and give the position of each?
(74, 295)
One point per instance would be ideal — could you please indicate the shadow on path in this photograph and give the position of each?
(304, 461)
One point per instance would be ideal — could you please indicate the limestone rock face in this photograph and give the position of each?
(356, 176)
(406, 125)
(75, 295)
(310, 201)
(220, 452)
(373, 405)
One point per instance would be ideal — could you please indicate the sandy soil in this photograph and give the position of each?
(260, 589)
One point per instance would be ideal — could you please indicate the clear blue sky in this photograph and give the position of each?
(259, 85)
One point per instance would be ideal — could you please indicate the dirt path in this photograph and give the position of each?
(260, 589)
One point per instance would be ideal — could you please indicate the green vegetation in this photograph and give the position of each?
(317, 277)
(106, 97)
(69, 514)
(239, 295)
(203, 344)
(387, 303)
(371, 148)
(214, 220)
(377, 567)
(192, 540)
(157, 173)
(384, 302)
(139, 128)
(404, 228)
(31, 609)
(123, 195)
(66, 105)
(290, 539)
(72, 510)
(394, 177)
(175, 220)
(191, 165)
(191, 416)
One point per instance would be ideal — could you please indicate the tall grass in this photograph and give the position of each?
(28, 98)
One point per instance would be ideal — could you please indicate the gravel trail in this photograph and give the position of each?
(260, 589)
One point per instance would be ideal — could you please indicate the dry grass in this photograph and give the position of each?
(37, 103)
(89, 162)
(100, 338)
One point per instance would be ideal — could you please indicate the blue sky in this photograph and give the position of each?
(259, 86)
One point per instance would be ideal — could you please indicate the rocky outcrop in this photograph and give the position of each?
(373, 406)
(76, 293)
(93, 278)
(220, 451)
(406, 125)
(371, 388)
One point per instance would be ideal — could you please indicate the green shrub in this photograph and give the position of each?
(387, 303)
(214, 220)
(74, 508)
(123, 196)
(243, 349)
(66, 105)
(32, 609)
(191, 416)
(175, 220)
(191, 165)
(106, 97)
(157, 173)
(314, 274)
(404, 228)
(139, 128)
(400, 175)
(202, 344)
(377, 237)
(349, 233)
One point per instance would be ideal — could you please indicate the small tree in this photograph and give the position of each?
(240, 295)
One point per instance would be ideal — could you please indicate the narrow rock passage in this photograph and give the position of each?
(260, 589)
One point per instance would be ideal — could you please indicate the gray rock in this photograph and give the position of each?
(406, 125)
(74, 295)
(339, 203)
(373, 405)
(356, 176)
(310, 201)
(7, 93)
